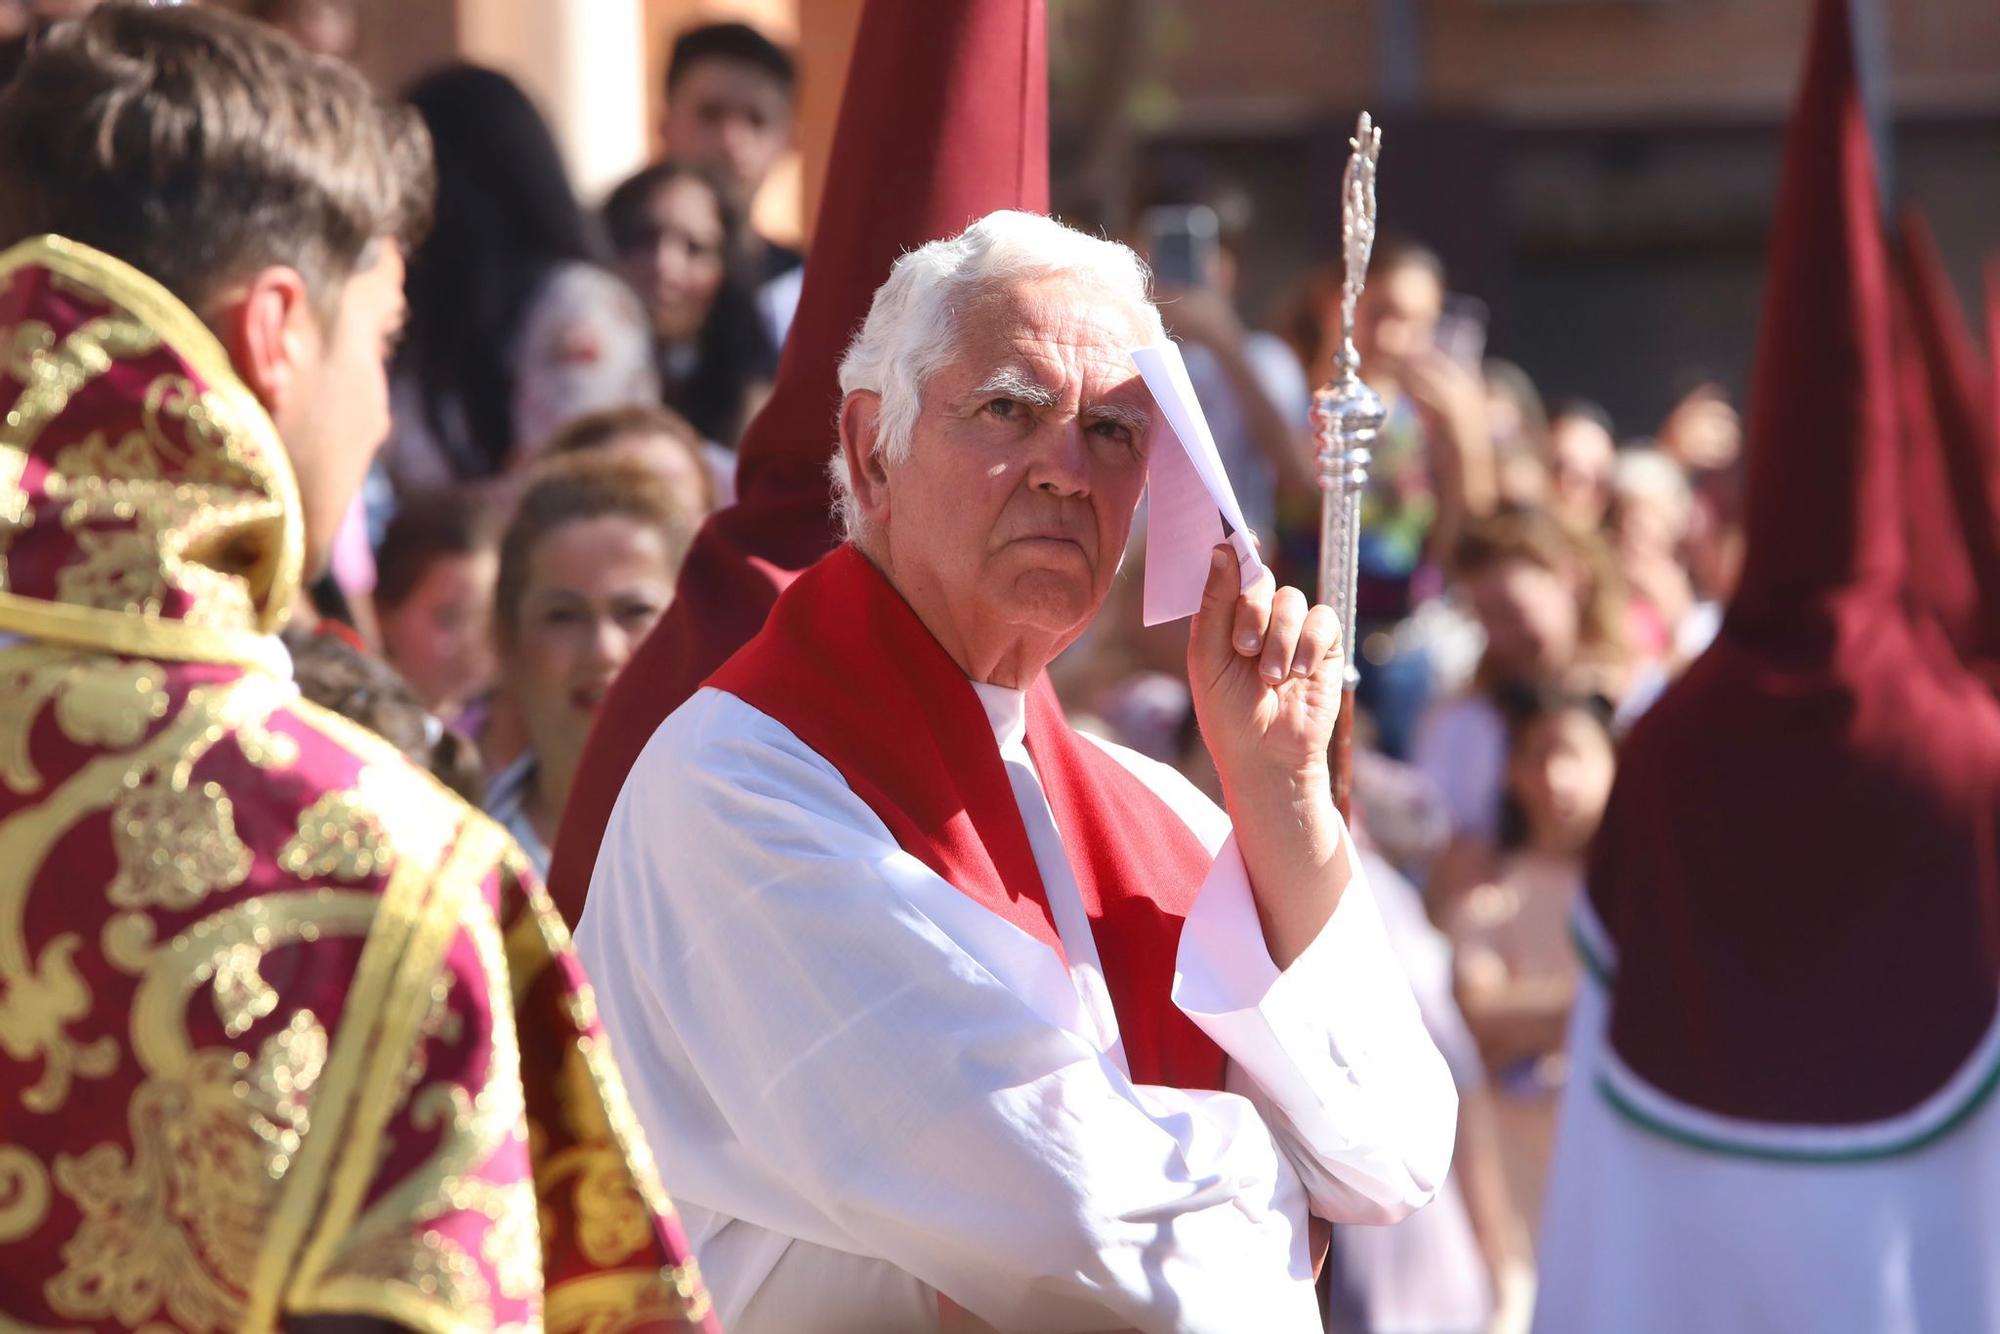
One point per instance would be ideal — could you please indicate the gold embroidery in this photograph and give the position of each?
(39, 1005)
(423, 1280)
(176, 845)
(30, 678)
(606, 1303)
(512, 1244)
(612, 1221)
(234, 547)
(179, 1226)
(393, 916)
(475, 1123)
(110, 703)
(50, 374)
(440, 1023)
(24, 1192)
(339, 836)
(100, 702)
(42, 996)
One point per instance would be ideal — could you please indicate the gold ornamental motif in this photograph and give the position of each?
(36, 1011)
(199, 498)
(339, 837)
(615, 1303)
(24, 1192)
(613, 1221)
(176, 1228)
(176, 845)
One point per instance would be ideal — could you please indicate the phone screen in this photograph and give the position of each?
(1181, 241)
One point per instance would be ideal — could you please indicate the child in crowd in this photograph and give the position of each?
(434, 599)
(586, 567)
(1516, 969)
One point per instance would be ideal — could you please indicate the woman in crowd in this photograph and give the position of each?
(434, 599)
(1553, 611)
(1516, 969)
(513, 328)
(586, 567)
(682, 242)
(1582, 453)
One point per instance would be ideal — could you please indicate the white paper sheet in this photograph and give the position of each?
(1190, 505)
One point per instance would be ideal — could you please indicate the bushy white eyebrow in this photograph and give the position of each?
(1013, 382)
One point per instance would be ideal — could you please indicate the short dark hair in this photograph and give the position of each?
(730, 41)
(428, 527)
(1395, 252)
(198, 147)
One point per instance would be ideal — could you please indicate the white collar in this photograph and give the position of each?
(1006, 711)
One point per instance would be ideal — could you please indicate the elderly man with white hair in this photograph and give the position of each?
(940, 1014)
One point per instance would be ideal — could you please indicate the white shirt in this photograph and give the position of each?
(866, 1089)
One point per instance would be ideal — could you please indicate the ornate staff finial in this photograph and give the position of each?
(1357, 227)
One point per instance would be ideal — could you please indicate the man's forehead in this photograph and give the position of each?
(1056, 329)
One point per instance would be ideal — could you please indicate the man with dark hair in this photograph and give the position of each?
(287, 1032)
(730, 103)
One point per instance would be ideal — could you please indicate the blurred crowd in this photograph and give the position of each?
(568, 396)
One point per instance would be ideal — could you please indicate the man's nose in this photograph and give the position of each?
(1059, 461)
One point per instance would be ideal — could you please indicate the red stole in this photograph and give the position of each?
(847, 666)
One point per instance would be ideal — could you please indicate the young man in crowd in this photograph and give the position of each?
(730, 105)
(287, 1032)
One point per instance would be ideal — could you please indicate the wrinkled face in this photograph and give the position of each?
(1531, 619)
(675, 262)
(1582, 455)
(439, 638)
(1397, 317)
(594, 588)
(1561, 771)
(1027, 461)
(731, 116)
(336, 413)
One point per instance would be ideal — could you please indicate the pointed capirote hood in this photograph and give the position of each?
(1953, 499)
(944, 118)
(1794, 901)
(1821, 497)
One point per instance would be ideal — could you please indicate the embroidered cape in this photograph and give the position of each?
(285, 1028)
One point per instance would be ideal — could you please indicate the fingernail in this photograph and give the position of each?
(1274, 674)
(1300, 669)
(1247, 643)
(1218, 560)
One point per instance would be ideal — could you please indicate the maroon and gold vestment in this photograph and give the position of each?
(285, 1028)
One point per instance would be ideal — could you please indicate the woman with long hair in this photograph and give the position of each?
(514, 326)
(683, 242)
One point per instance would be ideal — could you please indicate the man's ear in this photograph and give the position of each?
(271, 333)
(860, 440)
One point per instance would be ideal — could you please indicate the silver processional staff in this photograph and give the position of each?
(1347, 415)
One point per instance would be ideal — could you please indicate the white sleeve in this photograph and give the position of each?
(1333, 1051)
(825, 1039)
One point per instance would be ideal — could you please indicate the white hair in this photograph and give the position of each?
(912, 327)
